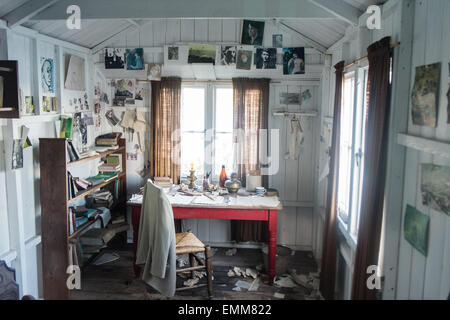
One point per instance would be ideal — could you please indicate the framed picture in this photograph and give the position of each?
(252, 32)
(293, 60)
(202, 53)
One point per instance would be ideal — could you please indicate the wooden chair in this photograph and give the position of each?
(9, 289)
(188, 243)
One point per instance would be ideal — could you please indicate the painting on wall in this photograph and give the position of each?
(114, 58)
(277, 40)
(228, 55)
(173, 53)
(435, 187)
(290, 98)
(47, 75)
(244, 60)
(293, 60)
(416, 228)
(154, 71)
(425, 95)
(74, 77)
(252, 32)
(134, 59)
(266, 58)
(202, 53)
(124, 88)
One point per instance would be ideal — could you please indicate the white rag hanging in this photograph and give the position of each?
(295, 139)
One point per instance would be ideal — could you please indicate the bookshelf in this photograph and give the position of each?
(55, 204)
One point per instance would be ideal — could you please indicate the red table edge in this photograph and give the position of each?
(269, 215)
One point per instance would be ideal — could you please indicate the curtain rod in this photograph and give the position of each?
(393, 45)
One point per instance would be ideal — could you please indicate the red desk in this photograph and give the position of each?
(224, 213)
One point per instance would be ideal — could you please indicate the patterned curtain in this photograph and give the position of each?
(165, 126)
(250, 114)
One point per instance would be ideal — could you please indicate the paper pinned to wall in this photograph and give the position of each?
(75, 77)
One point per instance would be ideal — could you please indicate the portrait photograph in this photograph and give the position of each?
(134, 59)
(277, 40)
(228, 56)
(114, 58)
(294, 60)
(244, 60)
(266, 58)
(172, 54)
(252, 32)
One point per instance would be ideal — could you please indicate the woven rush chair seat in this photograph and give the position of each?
(187, 242)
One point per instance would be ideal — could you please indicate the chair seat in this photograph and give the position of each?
(187, 242)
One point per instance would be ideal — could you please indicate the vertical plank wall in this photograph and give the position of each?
(295, 179)
(421, 277)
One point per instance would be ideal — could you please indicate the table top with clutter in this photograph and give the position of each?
(214, 196)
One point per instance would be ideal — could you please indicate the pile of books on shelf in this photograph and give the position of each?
(75, 185)
(101, 198)
(79, 215)
(109, 167)
(109, 141)
(72, 153)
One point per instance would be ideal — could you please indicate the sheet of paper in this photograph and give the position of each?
(179, 199)
(205, 200)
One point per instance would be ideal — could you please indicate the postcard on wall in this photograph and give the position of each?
(202, 53)
(114, 58)
(252, 32)
(134, 59)
(425, 95)
(244, 59)
(66, 127)
(154, 71)
(176, 54)
(17, 154)
(228, 56)
(75, 76)
(294, 60)
(435, 187)
(277, 40)
(111, 117)
(266, 58)
(47, 75)
(416, 228)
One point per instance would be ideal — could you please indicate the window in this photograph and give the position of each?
(206, 123)
(351, 164)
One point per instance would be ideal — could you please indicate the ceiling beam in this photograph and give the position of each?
(340, 9)
(153, 9)
(26, 11)
(319, 47)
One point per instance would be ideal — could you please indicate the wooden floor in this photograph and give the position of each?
(116, 281)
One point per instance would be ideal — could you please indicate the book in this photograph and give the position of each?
(109, 139)
(109, 167)
(66, 127)
(97, 236)
(74, 150)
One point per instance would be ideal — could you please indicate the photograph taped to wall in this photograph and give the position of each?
(228, 55)
(74, 76)
(134, 59)
(435, 187)
(252, 32)
(277, 40)
(266, 58)
(47, 75)
(17, 154)
(173, 53)
(111, 117)
(202, 53)
(294, 60)
(114, 58)
(244, 59)
(154, 71)
(425, 95)
(125, 88)
(416, 229)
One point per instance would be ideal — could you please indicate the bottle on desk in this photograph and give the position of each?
(222, 177)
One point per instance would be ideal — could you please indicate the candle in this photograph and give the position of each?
(192, 165)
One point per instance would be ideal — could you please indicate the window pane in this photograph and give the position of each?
(224, 110)
(192, 151)
(346, 142)
(224, 153)
(192, 113)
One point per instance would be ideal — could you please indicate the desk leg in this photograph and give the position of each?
(273, 216)
(135, 219)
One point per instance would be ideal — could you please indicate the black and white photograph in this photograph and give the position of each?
(294, 60)
(173, 53)
(154, 71)
(17, 154)
(252, 32)
(111, 117)
(266, 58)
(228, 55)
(114, 58)
(244, 59)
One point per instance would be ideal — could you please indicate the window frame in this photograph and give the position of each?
(349, 228)
(210, 120)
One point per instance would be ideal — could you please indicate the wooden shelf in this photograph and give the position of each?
(95, 188)
(100, 155)
(439, 148)
(82, 228)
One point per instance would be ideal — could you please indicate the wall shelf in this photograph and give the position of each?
(439, 148)
(311, 113)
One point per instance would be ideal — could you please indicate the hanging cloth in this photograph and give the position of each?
(296, 138)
